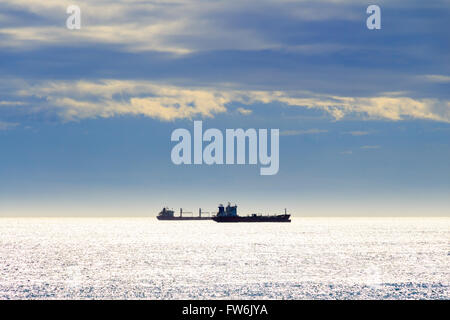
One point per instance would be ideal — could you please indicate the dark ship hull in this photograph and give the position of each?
(254, 218)
(182, 218)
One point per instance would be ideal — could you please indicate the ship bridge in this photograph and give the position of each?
(228, 211)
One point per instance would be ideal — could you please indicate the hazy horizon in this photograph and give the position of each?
(306, 211)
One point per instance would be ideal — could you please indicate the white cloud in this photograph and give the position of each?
(107, 98)
(7, 125)
(370, 147)
(358, 133)
(372, 108)
(11, 103)
(178, 27)
(437, 78)
(244, 111)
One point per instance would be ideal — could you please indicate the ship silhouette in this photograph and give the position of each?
(167, 214)
(229, 214)
(225, 214)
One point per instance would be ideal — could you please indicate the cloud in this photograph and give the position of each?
(135, 38)
(11, 103)
(109, 98)
(320, 45)
(358, 133)
(346, 152)
(178, 26)
(7, 125)
(370, 147)
(74, 100)
(376, 108)
(437, 78)
(301, 132)
(244, 111)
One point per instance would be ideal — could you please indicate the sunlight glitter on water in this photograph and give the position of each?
(142, 258)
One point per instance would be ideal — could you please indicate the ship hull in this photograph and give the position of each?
(279, 218)
(182, 218)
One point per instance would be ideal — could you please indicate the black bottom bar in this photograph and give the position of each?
(224, 309)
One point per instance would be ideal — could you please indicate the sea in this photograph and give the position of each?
(142, 258)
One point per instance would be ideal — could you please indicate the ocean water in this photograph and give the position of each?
(142, 258)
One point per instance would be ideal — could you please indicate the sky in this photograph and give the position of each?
(86, 115)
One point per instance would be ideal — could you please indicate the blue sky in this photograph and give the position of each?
(86, 115)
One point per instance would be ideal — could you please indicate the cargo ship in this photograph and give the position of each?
(167, 214)
(229, 214)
